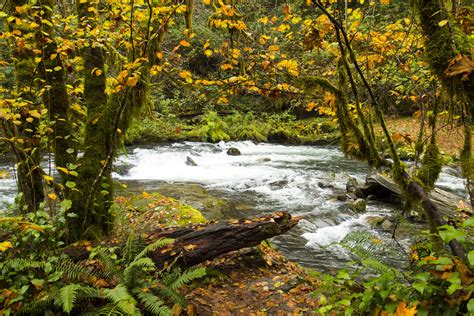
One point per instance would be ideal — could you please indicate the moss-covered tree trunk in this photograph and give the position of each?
(55, 96)
(448, 51)
(27, 152)
(89, 216)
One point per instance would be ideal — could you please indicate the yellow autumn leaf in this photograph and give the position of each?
(132, 81)
(184, 43)
(52, 196)
(273, 48)
(443, 23)
(48, 178)
(206, 1)
(404, 310)
(208, 53)
(384, 1)
(186, 75)
(4, 246)
(34, 113)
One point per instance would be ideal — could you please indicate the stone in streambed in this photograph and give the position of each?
(190, 162)
(232, 151)
(358, 206)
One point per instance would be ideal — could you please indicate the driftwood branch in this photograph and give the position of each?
(198, 243)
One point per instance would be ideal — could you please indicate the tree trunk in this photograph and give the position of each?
(91, 201)
(27, 153)
(55, 98)
(198, 243)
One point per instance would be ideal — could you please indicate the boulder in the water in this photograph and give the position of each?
(278, 185)
(352, 186)
(358, 206)
(190, 161)
(323, 185)
(232, 151)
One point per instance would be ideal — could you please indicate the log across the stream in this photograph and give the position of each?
(384, 188)
(198, 243)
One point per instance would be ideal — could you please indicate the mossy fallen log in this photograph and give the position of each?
(385, 189)
(197, 243)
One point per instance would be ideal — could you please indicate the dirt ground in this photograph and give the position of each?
(254, 282)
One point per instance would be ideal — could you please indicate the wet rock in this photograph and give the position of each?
(341, 197)
(327, 128)
(195, 195)
(323, 185)
(278, 185)
(352, 186)
(232, 151)
(375, 221)
(358, 206)
(387, 225)
(190, 162)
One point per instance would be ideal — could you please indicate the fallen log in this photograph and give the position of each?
(198, 243)
(385, 189)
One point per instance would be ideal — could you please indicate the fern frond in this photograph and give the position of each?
(38, 306)
(153, 304)
(130, 272)
(160, 243)
(173, 296)
(20, 264)
(110, 309)
(69, 294)
(120, 296)
(110, 268)
(74, 271)
(186, 277)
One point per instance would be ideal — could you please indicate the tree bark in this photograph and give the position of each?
(198, 243)
(27, 153)
(92, 198)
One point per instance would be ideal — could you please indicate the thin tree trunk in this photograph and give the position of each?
(27, 153)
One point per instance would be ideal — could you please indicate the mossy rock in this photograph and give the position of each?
(151, 210)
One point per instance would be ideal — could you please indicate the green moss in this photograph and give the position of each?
(431, 166)
(147, 211)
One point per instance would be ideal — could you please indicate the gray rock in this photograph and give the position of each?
(341, 197)
(190, 162)
(323, 185)
(232, 151)
(352, 185)
(277, 185)
(358, 206)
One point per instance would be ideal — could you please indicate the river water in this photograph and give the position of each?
(265, 177)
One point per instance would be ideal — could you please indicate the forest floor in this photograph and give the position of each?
(254, 281)
(450, 136)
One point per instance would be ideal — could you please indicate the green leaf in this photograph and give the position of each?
(70, 151)
(470, 257)
(442, 261)
(470, 306)
(71, 184)
(420, 286)
(448, 233)
(65, 204)
(468, 222)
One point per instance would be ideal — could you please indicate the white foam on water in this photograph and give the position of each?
(326, 236)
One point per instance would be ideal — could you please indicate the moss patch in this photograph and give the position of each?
(145, 211)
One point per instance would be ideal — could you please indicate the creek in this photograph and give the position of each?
(302, 180)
